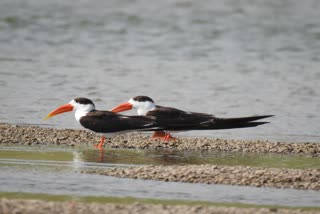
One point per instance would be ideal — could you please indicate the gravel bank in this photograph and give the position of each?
(39, 207)
(211, 174)
(36, 135)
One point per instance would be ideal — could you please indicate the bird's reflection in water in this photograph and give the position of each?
(101, 156)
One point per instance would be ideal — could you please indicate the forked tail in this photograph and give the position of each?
(232, 123)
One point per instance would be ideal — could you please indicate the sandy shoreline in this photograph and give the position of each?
(40, 206)
(236, 175)
(29, 135)
(211, 174)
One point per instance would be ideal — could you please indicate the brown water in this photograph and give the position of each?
(229, 58)
(56, 171)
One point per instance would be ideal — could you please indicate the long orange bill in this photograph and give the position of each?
(122, 107)
(59, 110)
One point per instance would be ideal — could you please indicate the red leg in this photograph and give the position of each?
(158, 134)
(101, 144)
(168, 137)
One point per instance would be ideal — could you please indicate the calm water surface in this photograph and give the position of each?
(229, 58)
(57, 171)
(76, 184)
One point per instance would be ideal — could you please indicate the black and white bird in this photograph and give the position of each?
(105, 122)
(179, 120)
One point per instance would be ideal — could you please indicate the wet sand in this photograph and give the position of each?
(39, 206)
(211, 174)
(238, 175)
(35, 135)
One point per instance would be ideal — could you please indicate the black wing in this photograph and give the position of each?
(172, 117)
(108, 122)
(175, 119)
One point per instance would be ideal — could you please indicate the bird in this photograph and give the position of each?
(180, 120)
(106, 123)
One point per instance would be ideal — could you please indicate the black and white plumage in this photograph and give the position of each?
(179, 120)
(105, 122)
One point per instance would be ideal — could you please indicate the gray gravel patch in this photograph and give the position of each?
(36, 135)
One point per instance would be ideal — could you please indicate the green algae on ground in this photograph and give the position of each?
(129, 200)
(35, 154)
(10, 20)
(157, 157)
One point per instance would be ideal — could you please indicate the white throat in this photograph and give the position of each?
(144, 111)
(79, 113)
(81, 109)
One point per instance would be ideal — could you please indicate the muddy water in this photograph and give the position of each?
(57, 171)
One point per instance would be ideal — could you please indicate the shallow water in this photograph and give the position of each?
(72, 183)
(229, 58)
(53, 170)
(85, 157)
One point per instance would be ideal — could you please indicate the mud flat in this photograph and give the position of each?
(36, 135)
(40, 206)
(233, 175)
(211, 174)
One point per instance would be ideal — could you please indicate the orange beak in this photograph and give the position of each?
(122, 107)
(60, 110)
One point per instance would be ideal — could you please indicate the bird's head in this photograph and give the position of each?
(78, 104)
(143, 104)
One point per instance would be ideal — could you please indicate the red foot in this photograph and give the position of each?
(101, 144)
(158, 135)
(168, 137)
(72, 203)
